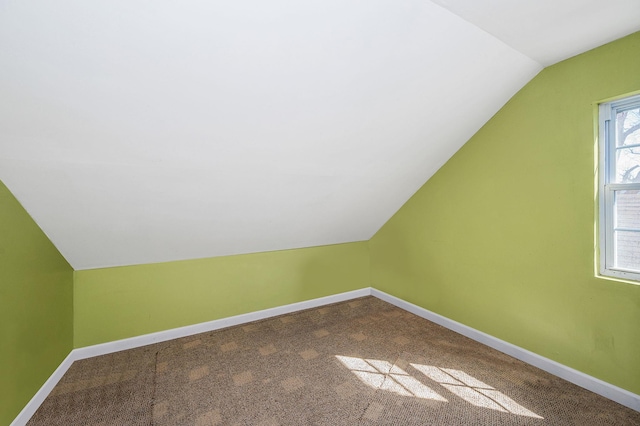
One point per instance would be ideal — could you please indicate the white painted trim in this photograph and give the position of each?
(31, 407)
(576, 377)
(598, 386)
(175, 333)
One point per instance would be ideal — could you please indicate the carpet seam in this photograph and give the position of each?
(155, 386)
(371, 399)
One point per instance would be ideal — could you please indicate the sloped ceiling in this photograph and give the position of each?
(145, 131)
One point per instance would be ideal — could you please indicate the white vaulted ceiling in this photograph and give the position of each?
(144, 131)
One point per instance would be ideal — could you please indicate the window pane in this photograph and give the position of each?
(627, 209)
(628, 165)
(628, 127)
(627, 248)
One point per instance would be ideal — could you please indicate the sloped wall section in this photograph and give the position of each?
(501, 238)
(36, 307)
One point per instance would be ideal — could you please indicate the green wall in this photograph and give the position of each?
(116, 303)
(501, 238)
(36, 307)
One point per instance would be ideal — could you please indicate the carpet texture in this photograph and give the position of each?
(362, 362)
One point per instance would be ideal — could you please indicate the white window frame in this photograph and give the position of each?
(607, 186)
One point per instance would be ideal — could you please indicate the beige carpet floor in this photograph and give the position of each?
(362, 362)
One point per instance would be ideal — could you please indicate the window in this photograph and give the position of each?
(619, 130)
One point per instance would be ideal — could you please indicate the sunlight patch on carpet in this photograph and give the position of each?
(473, 390)
(380, 374)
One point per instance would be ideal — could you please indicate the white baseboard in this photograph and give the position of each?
(175, 333)
(579, 378)
(593, 384)
(31, 407)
